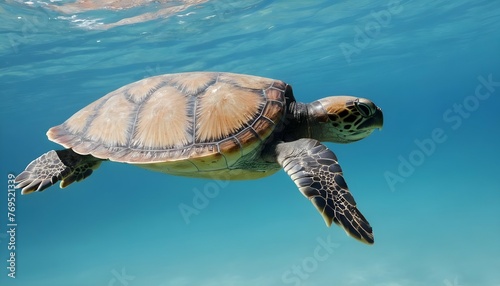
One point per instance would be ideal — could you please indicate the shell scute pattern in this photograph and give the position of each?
(158, 115)
(223, 109)
(138, 92)
(205, 119)
(192, 84)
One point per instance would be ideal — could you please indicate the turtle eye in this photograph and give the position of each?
(366, 110)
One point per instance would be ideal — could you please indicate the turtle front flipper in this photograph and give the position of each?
(46, 170)
(315, 170)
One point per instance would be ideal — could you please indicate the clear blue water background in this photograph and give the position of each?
(437, 223)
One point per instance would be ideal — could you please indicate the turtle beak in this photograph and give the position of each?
(374, 122)
(379, 119)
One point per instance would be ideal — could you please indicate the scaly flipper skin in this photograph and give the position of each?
(317, 174)
(46, 170)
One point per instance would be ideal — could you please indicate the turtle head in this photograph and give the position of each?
(343, 119)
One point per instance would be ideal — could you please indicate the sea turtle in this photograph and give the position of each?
(215, 125)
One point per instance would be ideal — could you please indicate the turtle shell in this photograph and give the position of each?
(189, 121)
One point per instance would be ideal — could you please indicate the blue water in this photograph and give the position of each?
(428, 182)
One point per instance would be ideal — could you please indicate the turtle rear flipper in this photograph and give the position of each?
(316, 172)
(62, 165)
